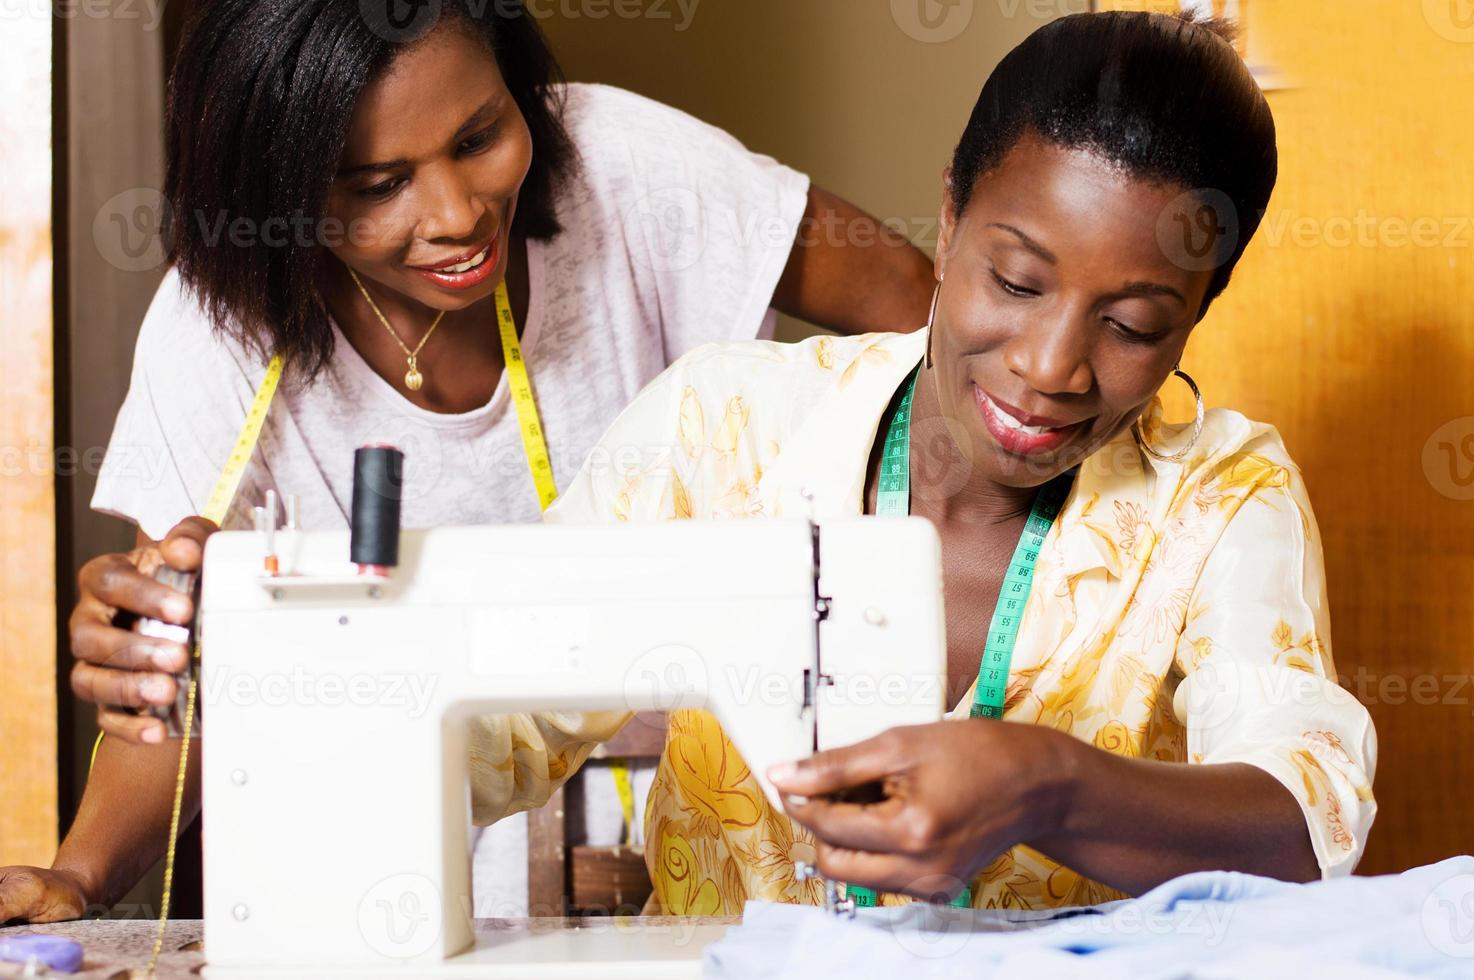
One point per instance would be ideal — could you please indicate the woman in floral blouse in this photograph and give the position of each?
(1171, 704)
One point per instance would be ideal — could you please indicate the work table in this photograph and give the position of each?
(544, 947)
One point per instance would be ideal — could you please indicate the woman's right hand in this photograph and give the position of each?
(40, 895)
(116, 668)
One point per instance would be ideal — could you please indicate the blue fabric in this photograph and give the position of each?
(1213, 924)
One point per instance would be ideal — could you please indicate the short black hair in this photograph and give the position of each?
(1167, 98)
(260, 100)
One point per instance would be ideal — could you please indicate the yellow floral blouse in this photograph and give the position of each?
(1178, 613)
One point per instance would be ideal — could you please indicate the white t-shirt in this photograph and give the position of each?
(673, 235)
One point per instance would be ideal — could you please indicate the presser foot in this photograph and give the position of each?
(833, 904)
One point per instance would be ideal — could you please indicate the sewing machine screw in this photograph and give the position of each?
(838, 906)
(277, 595)
(874, 617)
(238, 777)
(241, 913)
(375, 592)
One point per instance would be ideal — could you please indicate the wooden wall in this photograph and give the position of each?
(867, 97)
(114, 168)
(1350, 325)
(27, 502)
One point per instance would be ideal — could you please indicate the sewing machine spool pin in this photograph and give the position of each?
(268, 526)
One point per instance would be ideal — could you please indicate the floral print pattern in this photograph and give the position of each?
(1178, 614)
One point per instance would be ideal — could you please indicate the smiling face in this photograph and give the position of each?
(437, 151)
(1060, 315)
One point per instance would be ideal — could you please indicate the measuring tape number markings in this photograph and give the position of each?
(893, 499)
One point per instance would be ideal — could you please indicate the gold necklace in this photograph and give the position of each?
(413, 379)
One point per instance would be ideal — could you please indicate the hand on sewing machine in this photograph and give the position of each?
(116, 668)
(945, 799)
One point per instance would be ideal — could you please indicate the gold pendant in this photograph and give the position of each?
(413, 379)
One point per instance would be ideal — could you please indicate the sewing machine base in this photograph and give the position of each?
(658, 947)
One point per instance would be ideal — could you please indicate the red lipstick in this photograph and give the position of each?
(440, 275)
(1023, 433)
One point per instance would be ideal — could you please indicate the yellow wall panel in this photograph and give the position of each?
(1350, 326)
(27, 495)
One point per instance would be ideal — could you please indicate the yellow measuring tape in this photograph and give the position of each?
(625, 787)
(534, 444)
(539, 462)
(218, 506)
(229, 480)
(216, 509)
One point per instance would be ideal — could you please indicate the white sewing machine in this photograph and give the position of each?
(335, 705)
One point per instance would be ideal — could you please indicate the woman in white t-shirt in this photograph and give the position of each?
(348, 193)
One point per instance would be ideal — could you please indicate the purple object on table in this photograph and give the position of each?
(58, 953)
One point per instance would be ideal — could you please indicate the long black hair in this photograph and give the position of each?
(1166, 98)
(260, 100)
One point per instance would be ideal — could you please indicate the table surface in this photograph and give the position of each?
(113, 947)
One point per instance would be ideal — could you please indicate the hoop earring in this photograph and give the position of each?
(1181, 454)
(931, 318)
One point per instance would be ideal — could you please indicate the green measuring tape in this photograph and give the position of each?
(893, 499)
(893, 494)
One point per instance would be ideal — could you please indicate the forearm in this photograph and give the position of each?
(850, 273)
(519, 761)
(122, 825)
(1134, 823)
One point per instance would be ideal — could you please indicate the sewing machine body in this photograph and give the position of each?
(336, 706)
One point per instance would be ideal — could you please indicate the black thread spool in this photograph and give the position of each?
(378, 491)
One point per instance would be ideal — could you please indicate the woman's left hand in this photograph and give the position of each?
(952, 797)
